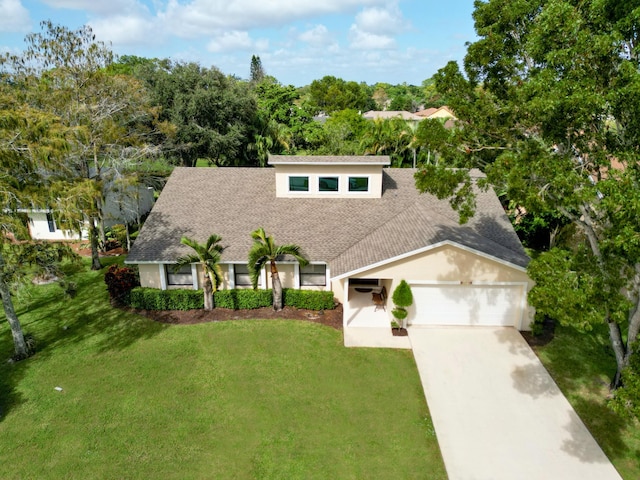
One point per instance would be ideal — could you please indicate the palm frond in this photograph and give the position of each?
(185, 260)
(256, 261)
(294, 251)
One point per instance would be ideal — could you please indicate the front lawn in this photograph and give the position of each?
(582, 364)
(242, 399)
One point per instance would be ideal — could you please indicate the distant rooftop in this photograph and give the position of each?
(386, 114)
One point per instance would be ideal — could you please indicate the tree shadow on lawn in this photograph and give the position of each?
(582, 364)
(90, 315)
(10, 376)
(56, 321)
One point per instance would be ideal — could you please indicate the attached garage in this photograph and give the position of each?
(499, 304)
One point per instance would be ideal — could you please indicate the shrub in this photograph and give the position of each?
(537, 326)
(308, 299)
(154, 299)
(242, 299)
(399, 313)
(120, 281)
(117, 236)
(402, 296)
(237, 299)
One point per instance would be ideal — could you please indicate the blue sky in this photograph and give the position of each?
(298, 41)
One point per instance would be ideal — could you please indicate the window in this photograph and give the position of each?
(298, 184)
(328, 184)
(358, 184)
(51, 222)
(180, 277)
(363, 281)
(313, 275)
(241, 275)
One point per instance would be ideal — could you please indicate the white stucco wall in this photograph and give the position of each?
(343, 172)
(39, 229)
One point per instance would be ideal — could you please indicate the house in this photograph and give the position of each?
(388, 114)
(443, 113)
(363, 227)
(122, 204)
(433, 112)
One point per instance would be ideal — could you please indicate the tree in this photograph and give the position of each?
(256, 74)
(31, 142)
(264, 250)
(549, 108)
(208, 255)
(205, 113)
(65, 72)
(402, 298)
(330, 94)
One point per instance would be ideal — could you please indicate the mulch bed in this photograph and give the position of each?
(330, 318)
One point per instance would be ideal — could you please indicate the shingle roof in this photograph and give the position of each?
(347, 233)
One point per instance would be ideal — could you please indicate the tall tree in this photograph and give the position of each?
(264, 250)
(549, 107)
(208, 255)
(31, 143)
(64, 72)
(330, 94)
(207, 114)
(256, 73)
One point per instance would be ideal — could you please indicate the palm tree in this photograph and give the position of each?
(209, 256)
(265, 250)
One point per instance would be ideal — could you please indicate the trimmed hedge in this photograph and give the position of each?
(241, 298)
(237, 299)
(308, 299)
(154, 299)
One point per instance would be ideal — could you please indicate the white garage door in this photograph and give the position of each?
(488, 305)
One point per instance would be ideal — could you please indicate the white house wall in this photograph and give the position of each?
(39, 229)
(373, 172)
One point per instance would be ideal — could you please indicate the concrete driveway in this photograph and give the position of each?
(497, 412)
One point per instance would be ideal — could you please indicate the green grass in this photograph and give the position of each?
(246, 399)
(204, 162)
(582, 364)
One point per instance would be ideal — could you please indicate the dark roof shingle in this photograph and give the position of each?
(347, 233)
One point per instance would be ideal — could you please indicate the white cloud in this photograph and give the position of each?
(199, 17)
(103, 7)
(361, 40)
(236, 40)
(14, 17)
(126, 30)
(319, 37)
(381, 21)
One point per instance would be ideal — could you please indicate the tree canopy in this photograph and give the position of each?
(548, 104)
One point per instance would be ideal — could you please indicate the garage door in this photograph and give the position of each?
(489, 305)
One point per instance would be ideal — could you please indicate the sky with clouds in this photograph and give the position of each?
(298, 41)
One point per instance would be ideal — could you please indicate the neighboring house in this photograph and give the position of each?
(362, 226)
(442, 112)
(433, 112)
(388, 114)
(121, 205)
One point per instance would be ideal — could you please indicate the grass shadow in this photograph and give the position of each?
(56, 320)
(582, 364)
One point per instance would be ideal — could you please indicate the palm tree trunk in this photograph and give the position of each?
(276, 288)
(16, 329)
(208, 293)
